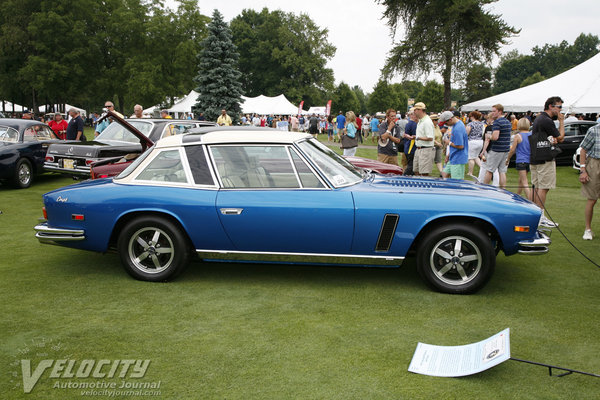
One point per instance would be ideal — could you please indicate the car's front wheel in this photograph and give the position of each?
(153, 249)
(23, 174)
(456, 258)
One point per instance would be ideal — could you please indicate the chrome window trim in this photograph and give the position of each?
(284, 145)
(304, 258)
(287, 151)
(310, 167)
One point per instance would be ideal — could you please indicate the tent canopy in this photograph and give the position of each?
(264, 105)
(579, 87)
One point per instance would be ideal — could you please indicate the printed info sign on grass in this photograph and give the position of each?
(452, 361)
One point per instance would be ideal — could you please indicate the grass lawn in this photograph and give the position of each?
(243, 331)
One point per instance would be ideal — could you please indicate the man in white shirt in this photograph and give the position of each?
(424, 140)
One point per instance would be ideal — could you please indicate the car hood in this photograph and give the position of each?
(449, 187)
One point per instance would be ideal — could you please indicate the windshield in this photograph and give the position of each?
(337, 170)
(116, 131)
(8, 134)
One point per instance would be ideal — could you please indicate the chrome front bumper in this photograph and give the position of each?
(48, 235)
(539, 245)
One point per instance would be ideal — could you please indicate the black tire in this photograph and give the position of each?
(153, 249)
(23, 174)
(448, 272)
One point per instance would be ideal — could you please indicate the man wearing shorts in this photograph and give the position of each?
(425, 154)
(459, 146)
(544, 136)
(590, 175)
(496, 156)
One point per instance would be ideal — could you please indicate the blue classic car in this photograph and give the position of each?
(23, 146)
(260, 195)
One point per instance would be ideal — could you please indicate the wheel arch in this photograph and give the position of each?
(482, 224)
(126, 218)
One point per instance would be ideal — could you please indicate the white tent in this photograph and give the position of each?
(264, 105)
(67, 108)
(10, 107)
(579, 87)
(185, 104)
(316, 111)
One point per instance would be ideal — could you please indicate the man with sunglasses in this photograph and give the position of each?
(544, 136)
(108, 105)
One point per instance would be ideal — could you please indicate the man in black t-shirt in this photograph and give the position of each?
(75, 126)
(544, 136)
(313, 125)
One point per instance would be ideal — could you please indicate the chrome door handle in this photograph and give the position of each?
(231, 211)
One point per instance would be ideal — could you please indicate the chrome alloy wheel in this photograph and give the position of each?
(24, 174)
(455, 260)
(151, 250)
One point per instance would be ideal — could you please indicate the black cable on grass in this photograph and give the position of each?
(534, 192)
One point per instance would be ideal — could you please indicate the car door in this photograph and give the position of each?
(272, 201)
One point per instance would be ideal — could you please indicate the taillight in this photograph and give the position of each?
(44, 212)
(50, 158)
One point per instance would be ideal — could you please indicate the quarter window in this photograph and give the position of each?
(166, 167)
(199, 166)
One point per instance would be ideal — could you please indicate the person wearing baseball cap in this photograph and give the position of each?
(424, 140)
(458, 142)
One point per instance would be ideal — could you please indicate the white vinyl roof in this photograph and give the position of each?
(240, 135)
(579, 87)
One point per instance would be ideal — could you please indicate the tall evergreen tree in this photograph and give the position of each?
(218, 76)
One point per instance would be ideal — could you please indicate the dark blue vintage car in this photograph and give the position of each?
(23, 146)
(260, 195)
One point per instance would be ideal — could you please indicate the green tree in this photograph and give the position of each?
(510, 73)
(283, 53)
(478, 83)
(362, 99)
(530, 80)
(433, 96)
(384, 96)
(344, 99)
(401, 97)
(218, 76)
(411, 88)
(443, 36)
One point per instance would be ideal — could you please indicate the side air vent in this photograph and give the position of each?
(390, 221)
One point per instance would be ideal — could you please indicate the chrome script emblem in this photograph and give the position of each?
(61, 200)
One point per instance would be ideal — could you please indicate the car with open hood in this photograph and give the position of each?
(262, 195)
(121, 139)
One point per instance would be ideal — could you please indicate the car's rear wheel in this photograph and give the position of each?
(456, 258)
(153, 249)
(23, 174)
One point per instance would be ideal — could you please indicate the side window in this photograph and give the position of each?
(8, 134)
(29, 134)
(177, 129)
(571, 130)
(307, 177)
(43, 133)
(254, 167)
(166, 167)
(198, 165)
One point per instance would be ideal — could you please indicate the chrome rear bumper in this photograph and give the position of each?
(48, 235)
(539, 245)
